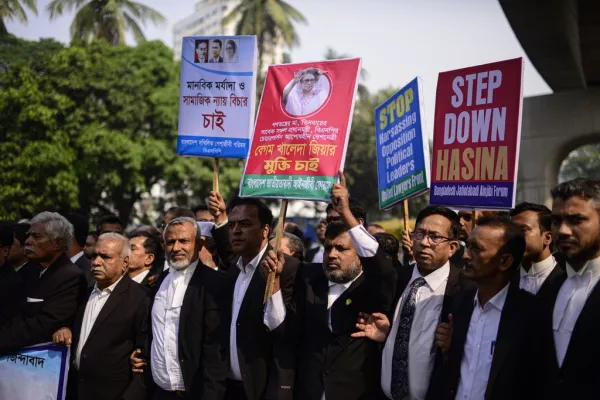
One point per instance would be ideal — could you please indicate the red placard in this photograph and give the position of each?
(302, 130)
(477, 135)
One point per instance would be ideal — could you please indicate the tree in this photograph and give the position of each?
(12, 9)
(105, 19)
(14, 50)
(583, 162)
(270, 20)
(93, 128)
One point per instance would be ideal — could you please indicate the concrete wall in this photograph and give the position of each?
(553, 126)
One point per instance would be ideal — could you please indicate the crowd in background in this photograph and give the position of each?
(468, 305)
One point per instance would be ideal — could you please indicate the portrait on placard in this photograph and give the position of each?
(307, 92)
(201, 51)
(216, 51)
(231, 51)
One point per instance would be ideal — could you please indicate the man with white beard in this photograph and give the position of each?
(189, 339)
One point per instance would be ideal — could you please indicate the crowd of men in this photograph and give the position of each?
(478, 306)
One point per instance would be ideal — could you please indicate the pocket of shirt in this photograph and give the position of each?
(428, 328)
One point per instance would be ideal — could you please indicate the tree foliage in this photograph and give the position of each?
(94, 128)
(583, 162)
(15, 9)
(106, 19)
(272, 21)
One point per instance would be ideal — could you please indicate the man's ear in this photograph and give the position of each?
(361, 221)
(149, 259)
(125, 264)
(506, 261)
(453, 247)
(547, 238)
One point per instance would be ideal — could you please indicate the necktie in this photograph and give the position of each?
(399, 387)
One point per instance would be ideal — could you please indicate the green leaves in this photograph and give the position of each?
(94, 128)
(106, 19)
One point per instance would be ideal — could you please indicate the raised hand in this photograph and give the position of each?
(273, 263)
(63, 336)
(217, 207)
(407, 245)
(443, 334)
(374, 326)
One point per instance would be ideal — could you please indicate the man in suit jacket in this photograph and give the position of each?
(144, 249)
(52, 296)
(573, 327)
(12, 287)
(356, 275)
(216, 46)
(75, 252)
(16, 257)
(259, 366)
(192, 300)
(494, 330)
(109, 325)
(425, 294)
(539, 273)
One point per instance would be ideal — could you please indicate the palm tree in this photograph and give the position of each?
(270, 20)
(10, 9)
(105, 19)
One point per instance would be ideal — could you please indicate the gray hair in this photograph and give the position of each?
(294, 243)
(181, 221)
(125, 249)
(56, 226)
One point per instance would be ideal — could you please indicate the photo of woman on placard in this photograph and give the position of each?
(231, 54)
(306, 93)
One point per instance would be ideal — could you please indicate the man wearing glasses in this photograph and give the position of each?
(424, 295)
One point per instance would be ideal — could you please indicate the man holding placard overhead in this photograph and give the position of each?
(356, 276)
(257, 368)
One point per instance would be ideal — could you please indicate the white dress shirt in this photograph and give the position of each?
(318, 258)
(166, 312)
(533, 279)
(241, 286)
(421, 347)
(366, 246)
(479, 347)
(96, 301)
(76, 257)
(571, 298)
(140, 277)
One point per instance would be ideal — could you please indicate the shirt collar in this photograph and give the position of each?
(253, 263)
(539, 268)
(347, 284)
(592, 266)
(185, 272)
(76, 257)
(109, 289)
(140, 277)
(435, 278)
(497, 301)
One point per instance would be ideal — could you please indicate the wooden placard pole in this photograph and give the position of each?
(406, 218)
(473, 218)
(216, 176)
(278, 237)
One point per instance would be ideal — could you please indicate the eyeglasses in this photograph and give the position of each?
(329, 220)
(433, 237)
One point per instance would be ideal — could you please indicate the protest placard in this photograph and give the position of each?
(217, 96)
(402, 146)
(476, 137)
(36, 372)
(302, 130)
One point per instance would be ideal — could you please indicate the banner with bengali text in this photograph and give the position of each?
(217, 96)
(477, 136)
(302, 130)
(34, 373)
(402, 146)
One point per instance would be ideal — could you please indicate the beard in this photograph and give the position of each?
(180, 264)
(341, 276)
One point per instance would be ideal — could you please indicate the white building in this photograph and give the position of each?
(206, 21)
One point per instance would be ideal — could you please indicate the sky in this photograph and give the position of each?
(396, 39)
